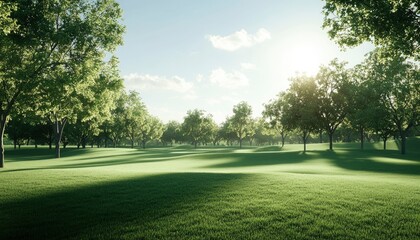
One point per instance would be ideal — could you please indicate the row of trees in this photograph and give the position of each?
(381, 95)
(56, 70)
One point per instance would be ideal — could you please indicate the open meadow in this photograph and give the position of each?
(212, 193)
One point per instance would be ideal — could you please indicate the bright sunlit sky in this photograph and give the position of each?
(210, 55)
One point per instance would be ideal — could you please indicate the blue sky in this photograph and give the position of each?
(185, 54)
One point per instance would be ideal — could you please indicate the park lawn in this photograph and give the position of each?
(212, 193)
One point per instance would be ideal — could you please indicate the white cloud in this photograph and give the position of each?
(135, 81)
(239, 39)
(248, 66)
(229, 80)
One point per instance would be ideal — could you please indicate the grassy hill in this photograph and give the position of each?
(212, 193)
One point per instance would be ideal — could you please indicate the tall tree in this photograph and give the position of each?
(136, 114)
(393, 23)
(273, 113)
(301, 110)
(51, 38)
(115, 128)
(397, 82)
(241, 121)
(333, 91)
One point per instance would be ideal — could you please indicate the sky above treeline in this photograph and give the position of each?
(210, 55)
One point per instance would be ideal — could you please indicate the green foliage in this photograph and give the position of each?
(241, 123)
(150, 129)
(7, 23)
(396, 82)
(302, 110)
(393, 24)
(334, 92)
(172, 132)
(197, 126)
(52, 58)
(273, 113)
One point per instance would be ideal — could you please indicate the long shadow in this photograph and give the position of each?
(258, 159)
(104, 210)
(356, 160)
(133, 156)
(31, 154)
(368, 161)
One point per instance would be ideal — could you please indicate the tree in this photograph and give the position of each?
(393, 23)
(226, 133)
(171, 132)
(151, 128)
(396, 81)
(194, 126)
(360, 103)
(273, 113)
(135, 116)
(115, 127)
(301, 109)
(333, 88)
(52, 38)
(241, 121)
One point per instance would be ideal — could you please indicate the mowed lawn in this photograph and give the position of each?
(212, 193)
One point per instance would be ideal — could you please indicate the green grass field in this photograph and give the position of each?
(212, 193)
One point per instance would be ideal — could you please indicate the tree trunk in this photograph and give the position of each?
(240, 142)
(403, 142)
(14, 143)
(195, 144)
(362, 138)
(384, 139)
(320, 136)
(304, 142)
(144, 144)
(330, 135)
(58, 131)
(2, 128)
(84, 138)
(282, 139)
(132, 143)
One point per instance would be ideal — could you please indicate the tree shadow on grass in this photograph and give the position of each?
(31, 154)
(376, 161)
(356, 160)
(258, 159)
(107, 210)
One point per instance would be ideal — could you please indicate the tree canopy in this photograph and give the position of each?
(394, 24)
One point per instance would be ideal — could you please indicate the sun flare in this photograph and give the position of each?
(303, 57)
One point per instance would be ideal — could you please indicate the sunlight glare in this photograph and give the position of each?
(303, 57)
